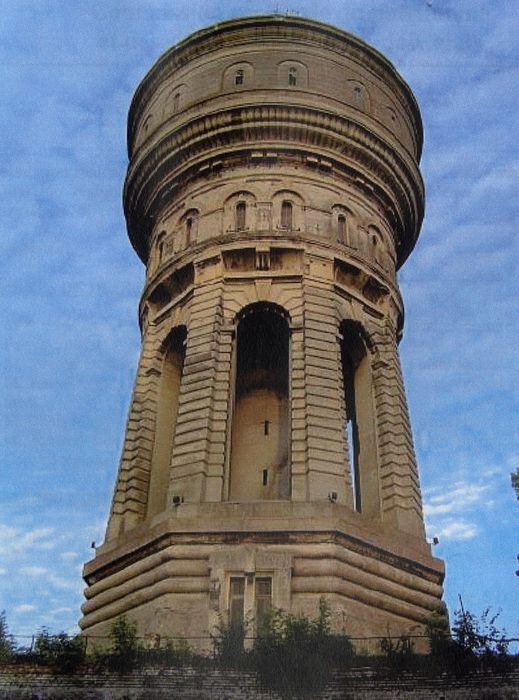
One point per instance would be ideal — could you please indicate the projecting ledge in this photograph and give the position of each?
(268, 522)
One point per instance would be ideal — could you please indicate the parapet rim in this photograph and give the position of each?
(199, 41)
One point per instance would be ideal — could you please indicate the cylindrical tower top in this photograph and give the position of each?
(283, 84)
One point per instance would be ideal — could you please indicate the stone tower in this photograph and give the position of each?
(273, 191)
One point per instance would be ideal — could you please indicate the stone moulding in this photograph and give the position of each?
(349, 145)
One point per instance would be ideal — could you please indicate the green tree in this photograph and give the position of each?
(438, 632)
(6, 640)
(124, 644)
(515, 482)
(59, 651)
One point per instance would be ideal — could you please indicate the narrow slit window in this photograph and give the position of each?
(286, 215)
(265, 479)
(241, 209)
(162, 244)
(341, 228)
(189, 230)
(176, 102)
(292, 77)
(239, 77)
(266, 428)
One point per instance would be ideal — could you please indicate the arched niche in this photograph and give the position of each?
(377, 245)
(259, 460)
(357, 95)
(188, 226)
(239, 212)
(359, 417)
(173, 355)
(174, 100)
(159, 250)
(292, 74)
(342, 224)
(238, 76)
(288, 211)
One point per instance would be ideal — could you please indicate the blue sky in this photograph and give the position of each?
(70, 281)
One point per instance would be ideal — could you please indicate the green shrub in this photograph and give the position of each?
(438, 633)
(399, 652)
(294, 654)
(59, 651)
(228, 644)
(7, 646)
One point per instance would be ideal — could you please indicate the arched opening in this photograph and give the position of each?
(259, 467)
(360, 425)
(286, 214)
(241, 210)
(166, 419)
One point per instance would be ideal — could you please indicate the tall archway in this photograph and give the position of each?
(166, 419)
(259, 462)
(360, 423)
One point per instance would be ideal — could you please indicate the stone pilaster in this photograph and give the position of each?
(193, 448)
(327, 460)
(399, 484)
(131, 490)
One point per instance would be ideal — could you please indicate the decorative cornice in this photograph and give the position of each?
(281, 29)
(177, 157)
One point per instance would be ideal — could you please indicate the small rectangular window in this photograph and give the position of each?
(286, 215)
(241, 208)
(265, 477)
(236, 601)
(263, 601)
(266, 427)
(238, 78)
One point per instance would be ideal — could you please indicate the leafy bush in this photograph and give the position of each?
(294, 654)
(480, 639)
(59, 651)
(228, 641)
(438, 633)
(7, 645)
(124, 645)
(398, 652)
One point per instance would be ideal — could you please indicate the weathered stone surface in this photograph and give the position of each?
(272, 192)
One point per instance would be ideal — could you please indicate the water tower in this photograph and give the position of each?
(273, 192)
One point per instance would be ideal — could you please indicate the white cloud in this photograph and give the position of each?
(14, 542)
(24, 608)
(457, 530)
(34, 571)
(69, 555)
(456, 498)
